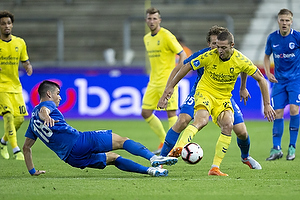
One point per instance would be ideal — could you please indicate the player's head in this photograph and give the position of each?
(225, 44)
(285, 20)
(6, 22)
(153, 19)
(212, 34)
(49, 91)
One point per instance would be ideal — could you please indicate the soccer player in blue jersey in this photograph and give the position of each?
(82, 149)
(284, 44)
(221, 66)
(187, 113)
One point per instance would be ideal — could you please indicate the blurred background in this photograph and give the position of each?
(89, 39)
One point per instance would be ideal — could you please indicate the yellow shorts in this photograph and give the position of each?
(13, 103)
(152, 96)
(213, 105)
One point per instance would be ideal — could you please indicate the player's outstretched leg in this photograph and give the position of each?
(138, 149)
(131, 166)
(160, 160)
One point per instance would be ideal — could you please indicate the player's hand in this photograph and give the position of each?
(28, 69)
(38, 172)
(272, 78)
(244, 95)
(48, 121)
(269, 113)
(163, 101)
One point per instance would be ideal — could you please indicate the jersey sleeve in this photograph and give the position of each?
(174, 44)
(24, 56)
(195, 55)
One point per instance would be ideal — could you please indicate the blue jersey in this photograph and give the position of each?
(286, 54)
(60, 138)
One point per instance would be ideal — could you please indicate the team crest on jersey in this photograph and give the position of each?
(196, 63)
(231, 69)
(291, 45)
(17, 49)
(158, 42)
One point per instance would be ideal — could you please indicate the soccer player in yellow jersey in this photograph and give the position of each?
(162, 47)
(12, 106)
(212, 97)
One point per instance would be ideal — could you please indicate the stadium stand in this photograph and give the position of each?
(263, 23)
(91, 27)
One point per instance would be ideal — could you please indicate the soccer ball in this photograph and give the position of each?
(192, 153)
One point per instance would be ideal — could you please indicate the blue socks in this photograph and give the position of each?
(244, 146)
(277, 133)
(170, 141)
(137, 149)
(294, 127)
(130, 166)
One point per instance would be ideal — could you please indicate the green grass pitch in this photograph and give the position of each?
(278, 179)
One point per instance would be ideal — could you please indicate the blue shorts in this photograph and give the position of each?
(90, 149)
(285, 93)
(188, 108)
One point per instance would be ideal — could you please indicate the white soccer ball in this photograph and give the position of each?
(192, 153)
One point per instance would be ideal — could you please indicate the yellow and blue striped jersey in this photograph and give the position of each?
(220, 76)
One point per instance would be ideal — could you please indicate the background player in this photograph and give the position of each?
(284, 44)
(162, 47)
(82, 149)
(187, 112)
(212, 97)
(12, 106)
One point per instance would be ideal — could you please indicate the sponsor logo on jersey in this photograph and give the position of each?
(196, 63)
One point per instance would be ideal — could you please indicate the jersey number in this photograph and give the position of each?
(43, 130)
(22, 109)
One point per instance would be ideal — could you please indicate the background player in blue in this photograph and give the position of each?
(187, 113)
(82, 149)
(284, 44)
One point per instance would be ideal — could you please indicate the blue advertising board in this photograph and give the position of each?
(116, 95)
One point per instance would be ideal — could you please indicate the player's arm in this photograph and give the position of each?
(182, 57)
(244, 93)
(269, 113)
(44, 114)
(267, 65)
(163, 101)
(28, 157)
(28, 67)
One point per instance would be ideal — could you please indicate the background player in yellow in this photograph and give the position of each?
(162, 47)
(12, 106)
(212, 97)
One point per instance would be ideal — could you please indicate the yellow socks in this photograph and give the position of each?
(187, 136)
(10, 130)
(156, 125)
(221, 149)
(18, 122)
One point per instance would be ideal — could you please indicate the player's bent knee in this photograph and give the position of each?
(182, 123)
(111, 158)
